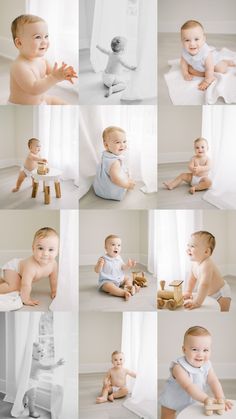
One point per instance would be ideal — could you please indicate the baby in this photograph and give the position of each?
(190, 376)
(112, 76)
(31, 75)
(19, 274)
(36, 367)
(111, 267)
(114, 384)
(30, 163)
(199, 167)
(112, 178)
(197, 58)
(204, 270)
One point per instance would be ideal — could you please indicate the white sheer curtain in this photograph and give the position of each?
(152, 241)
(57, 129)
(139, 344)
(21, 332)
(64, 396)
(62, 18)
(219, 127)
(67, 292)
(139, 122)
(173, 230)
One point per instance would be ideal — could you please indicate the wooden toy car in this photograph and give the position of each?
(42, 168)
(170, 299)
(212, 405)
(140, 279)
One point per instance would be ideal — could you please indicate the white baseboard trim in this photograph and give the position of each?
(223, 370)
(220, 27)
(174, 157)
(94, 368)
(84, 43)
(2, 386)
(4, 163)
(92, 259)
(7, 48)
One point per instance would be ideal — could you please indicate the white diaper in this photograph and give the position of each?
(110, 79)
(32, 383)
(195, 180)
(115, 389)
(27, 172)
(225, 291)
(10, 301)
(13, 265)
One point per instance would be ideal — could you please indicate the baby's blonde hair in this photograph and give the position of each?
(111, 236)
(45, 232)
(116, 353)
(107, 131)
(191, 24)
(31, 140)
(196, 331)
(200, 139)
(22, 20)
(210, 239)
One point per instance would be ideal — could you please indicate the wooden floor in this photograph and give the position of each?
(91, 299)
(5, 411)
(169, 48)
(178, 198)
(22, 199)
(89, 389)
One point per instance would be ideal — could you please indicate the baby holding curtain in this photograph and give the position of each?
(36, 368)
(114, 384)
(31, 75)
(20, 274)
(112, 178)
(199, 167)
(111, 269)
(112, 76)
(30, 165)
(191, 375)
(205, 273)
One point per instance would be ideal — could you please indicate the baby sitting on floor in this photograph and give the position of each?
(20, 274)
(112, 177)
(199, 167)
(111, 267)
(36, 367)
(114, 384)
(30, 163)
(112, 76)
(197, 57)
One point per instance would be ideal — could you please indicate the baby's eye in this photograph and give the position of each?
(51, 250)
(46, 36)
(38, 37)
(194, 349)
(40, 248)
(206, 350)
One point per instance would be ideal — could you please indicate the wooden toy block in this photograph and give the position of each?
(212, 405)
(42, 168)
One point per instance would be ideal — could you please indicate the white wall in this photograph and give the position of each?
(9, 10)
(2, 352)
(86, 10)
(24, 130)
(171, 329)
(99, 336)
(7, 135)
(231, 229)
(217, 16)
(131, 226)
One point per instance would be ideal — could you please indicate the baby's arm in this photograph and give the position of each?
(184, 69)
(26, 285)
(209, 73)
(99, 265)
(130, 264)
(53, 280)
(126, 65)
(202, 292)
(216, 388)
(101, 49)
(198, 170)
(184, 381)
(192, 164)
(117, 180)
(107, 379)
(191, 284)
(52, 366)
(131, 373)
(33, 157)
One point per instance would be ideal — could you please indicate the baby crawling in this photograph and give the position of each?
(111, 267)
(20, 274)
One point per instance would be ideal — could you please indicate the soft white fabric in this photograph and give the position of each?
(64, 396)
(184, 92)
(139, 122)
(218, 127)
(57, 129)
(10, 301)
(152, 241)
(21, 331)
(67, 291)
(139, 344)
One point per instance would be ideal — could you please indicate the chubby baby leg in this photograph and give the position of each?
(106, 389)
(183, 177)
(205, 183)
(129, 286)
(20, 180)
(112, 289)
(122, 392)
(167, 413)
(224, 303)
(223, 65)
(10, 282)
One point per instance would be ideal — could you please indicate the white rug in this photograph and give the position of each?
(184, 92)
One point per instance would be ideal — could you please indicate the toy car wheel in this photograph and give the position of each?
(160, 303)
(171, 304)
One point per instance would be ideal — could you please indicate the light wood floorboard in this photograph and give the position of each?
(5, 411)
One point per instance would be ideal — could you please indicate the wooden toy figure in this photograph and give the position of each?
(213, 405)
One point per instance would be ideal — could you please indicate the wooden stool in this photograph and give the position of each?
(52, 176)
(196, 411)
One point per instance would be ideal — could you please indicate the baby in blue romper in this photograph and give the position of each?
(191, 376)
(112, 178)
(111, 270)
(197, 57)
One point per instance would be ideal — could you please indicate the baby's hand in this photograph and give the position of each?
(63, 72)
(228, 405)
(187, 295)
(190, 304)
(31, 302)
(70, 74)
(60, 362)
(131, 184)
(188, 76)
(44, 160)
(131, 263)
(101, 262)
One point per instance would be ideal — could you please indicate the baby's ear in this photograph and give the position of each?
(17, 42)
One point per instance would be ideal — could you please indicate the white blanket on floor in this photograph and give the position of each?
(10, 301)
(184, 92)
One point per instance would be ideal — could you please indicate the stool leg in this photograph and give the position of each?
(34, 189)
(47, 195)
(44, 186)
(57, 189)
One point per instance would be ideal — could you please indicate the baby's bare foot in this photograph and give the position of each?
(192, 190)
(111, 397)
(127, 295)
(137, 288)
(168, 185)
(15, 189)
(205, 84)
(109, 93)
(101, 399)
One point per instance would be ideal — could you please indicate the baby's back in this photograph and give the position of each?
(114, 65)
(209, 270)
